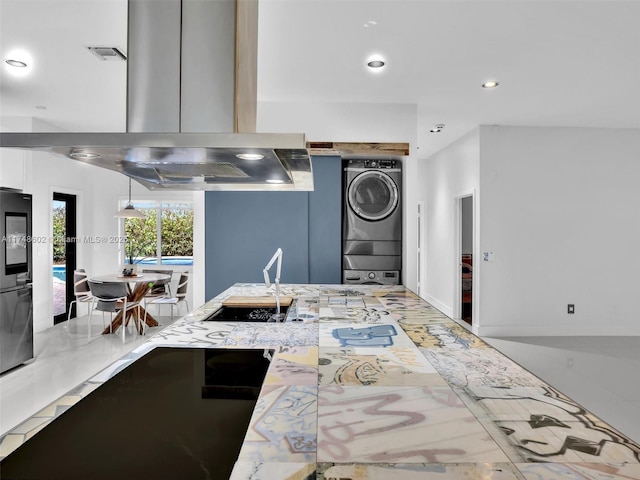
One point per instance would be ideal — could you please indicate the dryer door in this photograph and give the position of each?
(373, 195)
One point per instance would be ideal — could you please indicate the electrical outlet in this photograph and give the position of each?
(571, 308)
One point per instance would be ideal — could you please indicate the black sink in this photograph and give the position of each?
(175, 413)
(245, 314)
(234, 374)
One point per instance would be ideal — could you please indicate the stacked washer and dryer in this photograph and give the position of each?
(372, 222)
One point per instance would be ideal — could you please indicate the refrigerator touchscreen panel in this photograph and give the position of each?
(16, 254)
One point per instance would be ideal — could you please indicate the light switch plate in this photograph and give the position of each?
(489, 256)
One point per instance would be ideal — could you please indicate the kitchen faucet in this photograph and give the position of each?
(277, 317)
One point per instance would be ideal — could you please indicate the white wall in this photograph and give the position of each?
(14, 162)
(447, 175)
(410, 230)
(558, 208)
(560, 211)
(12, 168)
(340, 122)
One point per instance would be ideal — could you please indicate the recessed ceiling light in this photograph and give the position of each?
(375, 63)
(490, 84)
(84, 155)
(274, 180)
(250, 156)
(16, 63)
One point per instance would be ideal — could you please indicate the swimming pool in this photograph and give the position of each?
(60, 272)
(166, 261)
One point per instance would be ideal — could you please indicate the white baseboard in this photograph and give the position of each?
(445, 309)
(547, 331)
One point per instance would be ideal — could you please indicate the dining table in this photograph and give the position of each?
(137, 287)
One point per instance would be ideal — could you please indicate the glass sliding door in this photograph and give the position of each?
(64, 253)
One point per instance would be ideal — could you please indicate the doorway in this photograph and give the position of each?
(466, 260)
(64, 253)
(420, 255)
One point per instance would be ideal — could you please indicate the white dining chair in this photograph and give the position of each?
(82, 294)
(160, 289)
(114, 297)
(181, 295)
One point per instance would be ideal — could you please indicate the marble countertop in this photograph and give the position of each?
(374, 383)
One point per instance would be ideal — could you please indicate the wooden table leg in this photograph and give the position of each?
(115, 324)
(148, 318)
(137, 295)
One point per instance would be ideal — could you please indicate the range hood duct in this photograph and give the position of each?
(191, 77)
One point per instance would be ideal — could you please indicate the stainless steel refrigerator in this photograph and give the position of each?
(16, 293)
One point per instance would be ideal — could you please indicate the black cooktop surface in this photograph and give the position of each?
(175, 413)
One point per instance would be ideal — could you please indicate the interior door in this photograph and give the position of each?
(64, 253)
(466, 259)
(420, 254)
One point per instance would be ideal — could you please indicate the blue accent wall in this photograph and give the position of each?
(325, 210)
(244, 229)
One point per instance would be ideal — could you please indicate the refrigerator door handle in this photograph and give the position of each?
(25, 292)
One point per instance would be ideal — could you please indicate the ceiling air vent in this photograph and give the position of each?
(107, 53)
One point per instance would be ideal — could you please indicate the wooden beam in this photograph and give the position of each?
(355, 148)
(257, 302)
(246, 95)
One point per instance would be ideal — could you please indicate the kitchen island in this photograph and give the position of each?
(372, 382)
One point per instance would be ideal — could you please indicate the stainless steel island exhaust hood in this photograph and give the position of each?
(191, 77)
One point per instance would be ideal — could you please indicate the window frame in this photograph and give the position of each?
(158, 206)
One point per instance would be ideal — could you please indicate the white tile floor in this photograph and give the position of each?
(600, 373)
(64, 358)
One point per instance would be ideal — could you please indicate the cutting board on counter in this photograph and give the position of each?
(243, 301)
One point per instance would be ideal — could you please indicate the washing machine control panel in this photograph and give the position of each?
(379, 164)
(371, 277)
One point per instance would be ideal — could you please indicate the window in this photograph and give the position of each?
(163, 237)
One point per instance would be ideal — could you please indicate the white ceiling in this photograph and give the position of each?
(559, 63)
(80, 92)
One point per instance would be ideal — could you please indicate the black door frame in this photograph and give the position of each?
(70, 250)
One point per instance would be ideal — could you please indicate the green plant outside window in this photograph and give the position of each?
(165, 234)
